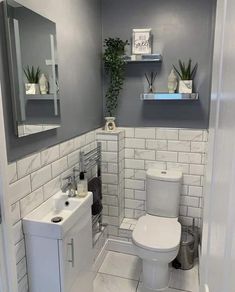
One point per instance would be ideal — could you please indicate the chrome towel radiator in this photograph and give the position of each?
(91, 159)
(88, 161)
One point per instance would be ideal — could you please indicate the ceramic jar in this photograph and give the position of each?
(110, 125)
(172, 82)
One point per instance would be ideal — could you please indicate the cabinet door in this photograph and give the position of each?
(77, 257)
(67, 268)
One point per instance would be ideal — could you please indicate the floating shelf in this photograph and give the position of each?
(50, 63)
(169, 96)
(39, 96)
(143, 58)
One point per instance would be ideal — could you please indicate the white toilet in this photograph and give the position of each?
(156, 237)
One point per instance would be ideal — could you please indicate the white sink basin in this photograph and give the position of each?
(69, 210)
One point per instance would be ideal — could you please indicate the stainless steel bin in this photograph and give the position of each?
(187, 251)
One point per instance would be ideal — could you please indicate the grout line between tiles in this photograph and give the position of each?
(178, 289)
(137, 286)
(119, 277)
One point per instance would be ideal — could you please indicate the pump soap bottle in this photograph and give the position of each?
(82, 187)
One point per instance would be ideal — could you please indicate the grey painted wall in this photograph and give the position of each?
(79, 48)
(182, 29)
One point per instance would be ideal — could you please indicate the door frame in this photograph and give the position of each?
(8, 272)
(3, 276)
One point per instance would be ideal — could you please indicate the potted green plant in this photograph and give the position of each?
(32, 76)
(114, 66)
(186, 74)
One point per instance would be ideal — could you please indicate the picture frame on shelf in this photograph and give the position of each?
(142, 41)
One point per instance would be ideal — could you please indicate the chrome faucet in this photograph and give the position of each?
(70, 186)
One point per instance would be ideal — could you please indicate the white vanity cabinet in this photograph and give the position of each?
(75, 254)
(62, 264)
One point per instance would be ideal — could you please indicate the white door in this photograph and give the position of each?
(8, 274)
(3, 279)
(7, 265)
(218, 241)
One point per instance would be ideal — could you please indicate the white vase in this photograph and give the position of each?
(110, 125)
(186, 86)
(32, 88)
(43, 84)
(172, 82)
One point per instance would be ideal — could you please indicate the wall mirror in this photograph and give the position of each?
(33, 64)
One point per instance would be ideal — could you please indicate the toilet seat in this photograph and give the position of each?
(158, 234)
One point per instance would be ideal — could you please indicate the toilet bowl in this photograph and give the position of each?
(156, 241)
(156, 237)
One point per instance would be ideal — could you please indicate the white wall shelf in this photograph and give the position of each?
(143, 58)
(39, 96)
(50, 62)
(169, 96)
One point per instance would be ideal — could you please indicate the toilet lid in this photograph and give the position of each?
(157, 233)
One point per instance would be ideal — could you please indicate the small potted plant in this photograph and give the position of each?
(186, 74)
(114, 66)
(32, 75)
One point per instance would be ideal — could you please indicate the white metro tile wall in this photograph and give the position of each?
(165, 148)
(112, 178)
(34, 179)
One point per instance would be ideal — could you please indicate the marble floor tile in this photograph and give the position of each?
(108, 283)
(125, 226)
(185, 280)
(142, 289)
(130, 221)
(121, 265)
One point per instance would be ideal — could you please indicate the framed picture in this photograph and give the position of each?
(141, 41)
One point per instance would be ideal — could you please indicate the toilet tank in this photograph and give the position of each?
(163, 192)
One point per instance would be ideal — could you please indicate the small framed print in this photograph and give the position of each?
(141, 41)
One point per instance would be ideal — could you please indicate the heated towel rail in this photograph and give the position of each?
(88, 161)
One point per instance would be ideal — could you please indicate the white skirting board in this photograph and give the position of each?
(205, 287)
(99, 260)
(125, 247)
(120, 246)
(112, 245)
(199, 260)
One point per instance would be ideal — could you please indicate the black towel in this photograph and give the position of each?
(94, 186)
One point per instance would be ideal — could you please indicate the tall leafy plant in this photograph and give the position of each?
(31, 74)
(114, 67)
(186, 71)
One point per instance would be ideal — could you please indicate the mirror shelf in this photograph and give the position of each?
(40, 97)
(143, 58)
(169, 96)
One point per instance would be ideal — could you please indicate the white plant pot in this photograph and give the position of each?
(186, 86)
(110, 125)
(32, 88)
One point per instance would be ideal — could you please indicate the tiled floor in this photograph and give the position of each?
(128, 224)
(122, 273)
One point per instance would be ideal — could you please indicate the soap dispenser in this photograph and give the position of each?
(82, 187)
